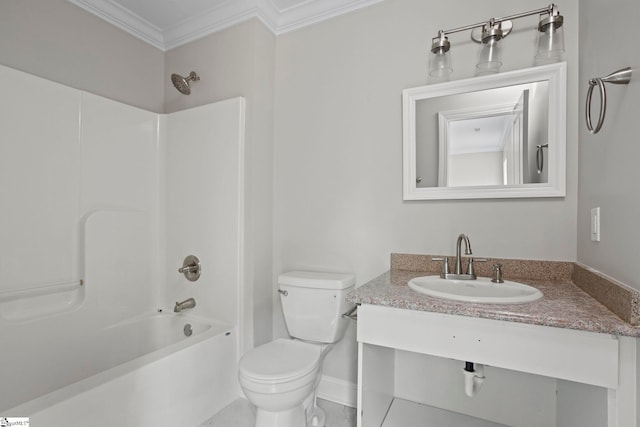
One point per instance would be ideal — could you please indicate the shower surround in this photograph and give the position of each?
(102, 202)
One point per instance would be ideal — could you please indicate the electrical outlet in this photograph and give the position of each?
(595, 224)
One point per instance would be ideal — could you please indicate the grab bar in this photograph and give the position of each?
(620, 77)
(352, 314)
(41, 289)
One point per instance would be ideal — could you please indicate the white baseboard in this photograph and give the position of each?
(338, 391)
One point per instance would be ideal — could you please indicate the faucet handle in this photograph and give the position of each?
(497, 273)
(470, 269)
(445, 265)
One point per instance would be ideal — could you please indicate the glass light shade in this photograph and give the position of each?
(440, 66)
(489, 57)
(550, 46)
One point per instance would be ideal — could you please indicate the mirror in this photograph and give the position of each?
(497, 136)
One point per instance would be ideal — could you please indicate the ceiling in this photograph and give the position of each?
(479, 135)
(166, 24)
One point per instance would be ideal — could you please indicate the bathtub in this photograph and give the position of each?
(142, 372)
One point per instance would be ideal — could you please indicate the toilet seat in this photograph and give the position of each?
(280, 361)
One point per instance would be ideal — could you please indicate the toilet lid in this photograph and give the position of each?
(281, 359)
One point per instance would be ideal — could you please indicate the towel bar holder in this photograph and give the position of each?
(540, 157)
(620, 77)
(352, 313)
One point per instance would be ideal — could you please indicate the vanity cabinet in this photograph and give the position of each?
(591, 358)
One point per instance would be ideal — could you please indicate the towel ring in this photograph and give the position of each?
(622, 76)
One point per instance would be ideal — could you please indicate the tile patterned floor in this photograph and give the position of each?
(240, 413)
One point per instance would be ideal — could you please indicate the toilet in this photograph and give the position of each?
(281, 377)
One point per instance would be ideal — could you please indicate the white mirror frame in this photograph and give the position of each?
(554, 74)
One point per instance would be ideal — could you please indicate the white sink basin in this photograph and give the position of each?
(481, 290)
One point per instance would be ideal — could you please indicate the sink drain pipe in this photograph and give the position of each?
(473, 378)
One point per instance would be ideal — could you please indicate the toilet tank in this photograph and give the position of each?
(313, 304)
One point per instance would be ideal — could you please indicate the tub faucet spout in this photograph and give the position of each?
(188, 303)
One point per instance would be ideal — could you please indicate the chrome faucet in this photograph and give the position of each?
(467, 251)
(458, 274)
(188, 303)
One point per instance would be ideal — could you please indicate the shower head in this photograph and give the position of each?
(182, 83)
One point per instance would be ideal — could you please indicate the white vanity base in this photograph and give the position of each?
(403, 413)
(584, 357)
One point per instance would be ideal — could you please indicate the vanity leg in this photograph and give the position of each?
(375, 383)
(622, 401)
(359, 398)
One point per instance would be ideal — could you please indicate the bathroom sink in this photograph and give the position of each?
(481, 290)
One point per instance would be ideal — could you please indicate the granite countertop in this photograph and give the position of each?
(564, 304)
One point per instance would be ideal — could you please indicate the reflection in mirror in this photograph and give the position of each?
(494, 136)
(484, 138)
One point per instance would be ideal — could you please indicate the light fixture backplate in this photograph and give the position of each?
(505, 26)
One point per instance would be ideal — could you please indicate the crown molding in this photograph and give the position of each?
(312, 11)
(124, 19)
(218, 18)
(223, 15)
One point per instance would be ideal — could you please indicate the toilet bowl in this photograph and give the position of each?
(281, 377)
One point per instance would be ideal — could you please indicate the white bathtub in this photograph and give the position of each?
(138, 373)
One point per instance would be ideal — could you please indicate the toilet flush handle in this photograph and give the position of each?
(284, 293)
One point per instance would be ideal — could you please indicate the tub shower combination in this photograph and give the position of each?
(142, 372)
(91, 246)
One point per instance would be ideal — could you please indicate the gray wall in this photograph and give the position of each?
(609, 172)
(239, 61)
(338, 148)
(61, 42)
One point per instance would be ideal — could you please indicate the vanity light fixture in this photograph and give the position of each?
(550, 39)
(550, 46)
(440, 64)
(490, 53)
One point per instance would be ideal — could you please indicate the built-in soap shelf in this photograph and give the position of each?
(403, 413)
(41, 301)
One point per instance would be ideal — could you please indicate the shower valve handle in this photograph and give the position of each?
(191, 268)
(188, 269)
